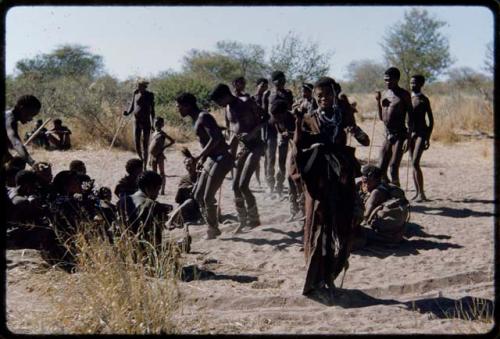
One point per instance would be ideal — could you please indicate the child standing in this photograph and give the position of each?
(156, 147)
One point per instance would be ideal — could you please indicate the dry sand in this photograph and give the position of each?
(254, 280)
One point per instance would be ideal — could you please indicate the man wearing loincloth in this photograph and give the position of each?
(215, 157)
(143, 107)
(245, 123)
(420, 132)
(393, 105)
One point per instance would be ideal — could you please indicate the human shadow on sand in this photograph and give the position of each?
(415, 230)
(193, 272)
(291, 238)
(466, 308)
(449, 212)
(404, 248)
(279, 244)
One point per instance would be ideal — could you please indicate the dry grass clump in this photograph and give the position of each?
(124, 287)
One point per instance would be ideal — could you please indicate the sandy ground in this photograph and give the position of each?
(252, 282)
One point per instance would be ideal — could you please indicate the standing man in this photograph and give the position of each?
(215, 156)
(392, 110)
(245, 123)
(279, 92)
(261, 98)
(143, 107)
(26, 108)
(420, 132)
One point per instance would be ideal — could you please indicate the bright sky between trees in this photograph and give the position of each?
(142, 41)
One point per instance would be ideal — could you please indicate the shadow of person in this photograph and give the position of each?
(465, 308)
(347, 298)
(404, 248)
(279, 243)
(193, 272)
(416, 230)
(449, 212)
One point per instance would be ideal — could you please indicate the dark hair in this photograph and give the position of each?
(307, 85)
(28, 101)
(278, 106)
(240, 78)
(371, 171)
(159, 120)
(148, 179)
(186, 98)
(133, 164)
(393, 72)
(24, 177)
(76, 165)
(220, 91)
(419, 78)
(329, 83)
(277, 75)
(103, 192)
(57, 122)
(62, 179)
(16, 162)
(39, 122)
(261, 80)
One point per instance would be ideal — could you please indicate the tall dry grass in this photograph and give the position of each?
(122, 287)
(454, 115)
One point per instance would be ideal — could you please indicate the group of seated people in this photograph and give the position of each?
(46, 210)
(56, 138)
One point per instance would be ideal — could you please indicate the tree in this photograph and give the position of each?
(489, 62)
(66, 60)
(300, 60)
(250, 57)
(212, 66)
(416, 46)
(364, 76)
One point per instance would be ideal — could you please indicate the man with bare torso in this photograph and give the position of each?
(279, 92)
(143, 107)
(215, 156)
(420, 132)
(393, 106)
(245, 124)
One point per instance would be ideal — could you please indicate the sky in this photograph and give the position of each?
(143, 41)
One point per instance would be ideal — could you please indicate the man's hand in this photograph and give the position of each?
(405, 145)
(378, 96)
(427, 144)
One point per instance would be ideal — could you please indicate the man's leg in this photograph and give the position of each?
(145, 144)
(282, 153)
(137, 140)
(239, 200)
(251, 163)
(161, 165)
(216, 177)
(199, 191)
(271, 161)
(397, 155)
(384, 158)
(416, 153)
